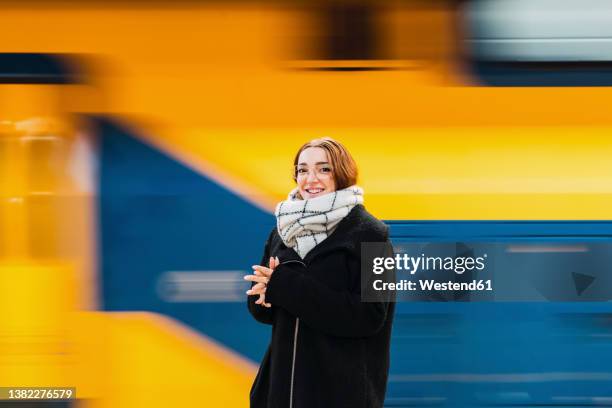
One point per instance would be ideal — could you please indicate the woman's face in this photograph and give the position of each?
(315, 175)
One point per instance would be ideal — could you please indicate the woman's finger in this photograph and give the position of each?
(255, 278)
(265, 270)
(262, 269)
(273, 263)
(259, 291)
(258, 286)
(262, 301)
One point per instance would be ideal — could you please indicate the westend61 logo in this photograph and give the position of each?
(440, 272)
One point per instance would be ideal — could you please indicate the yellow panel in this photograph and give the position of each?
(46, 179)
(157, 362)
(426, 173)
(113, 359)
(36, 301)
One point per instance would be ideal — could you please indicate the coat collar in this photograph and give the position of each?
(341, 238)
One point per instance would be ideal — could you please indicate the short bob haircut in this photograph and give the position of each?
(343, 166)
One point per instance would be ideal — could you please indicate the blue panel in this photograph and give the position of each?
(508, 353)
(157, 215)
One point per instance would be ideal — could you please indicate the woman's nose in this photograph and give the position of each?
(312, 176)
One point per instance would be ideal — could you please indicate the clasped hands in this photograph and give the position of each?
(261, 276)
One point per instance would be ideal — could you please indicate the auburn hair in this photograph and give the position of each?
(343, 166)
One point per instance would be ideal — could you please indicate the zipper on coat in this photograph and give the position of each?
(295, 338)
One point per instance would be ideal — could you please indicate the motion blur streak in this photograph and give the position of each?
(143, 146)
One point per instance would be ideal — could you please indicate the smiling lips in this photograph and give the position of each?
(314, 191)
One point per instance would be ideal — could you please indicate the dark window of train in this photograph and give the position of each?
(349, 32)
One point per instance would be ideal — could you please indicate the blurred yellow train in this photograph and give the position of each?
(230, 90)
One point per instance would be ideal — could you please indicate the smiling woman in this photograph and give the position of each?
(318, 164)
(328, 348)
(319, 180)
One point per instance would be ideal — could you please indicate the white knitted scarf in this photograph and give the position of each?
(303, 224)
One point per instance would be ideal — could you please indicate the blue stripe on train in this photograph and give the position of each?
(525, 353)
(157, 215)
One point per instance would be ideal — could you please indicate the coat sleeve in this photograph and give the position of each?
(337, 313)
(261, 313)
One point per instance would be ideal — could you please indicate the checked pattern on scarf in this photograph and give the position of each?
(303, 224)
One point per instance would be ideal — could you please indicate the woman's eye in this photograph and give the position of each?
(302, 171)
(325, 169)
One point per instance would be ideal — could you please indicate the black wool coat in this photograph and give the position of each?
(328, 349)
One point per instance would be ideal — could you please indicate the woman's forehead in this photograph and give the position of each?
(313, 155)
